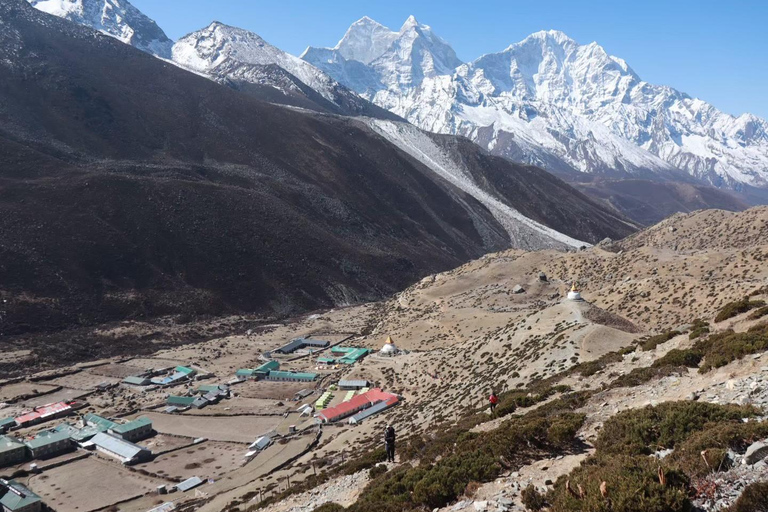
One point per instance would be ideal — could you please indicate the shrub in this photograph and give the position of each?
(532, 499)
(471, 489)
(753, 499)
(640, 376)
(759, 313)
(631, 484)
(699, 328)
(654, 341)
(330, 507)
(643, 431)
(722, 348)
(377, 470)
(689, 358)
(366, 461)
(738, 307)
(716, 439)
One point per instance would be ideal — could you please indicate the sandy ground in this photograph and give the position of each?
(239, 429)
(89, 484)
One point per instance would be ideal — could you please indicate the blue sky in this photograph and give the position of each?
(714, 50)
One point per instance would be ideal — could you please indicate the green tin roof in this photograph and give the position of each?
(13, 501)
(7, 421)
(8, 444)
(180, 400)
(102, 424)
(185, 370)
(132, 425)
(293, 375)
(45, 438)
(269, 365)
(135, 380)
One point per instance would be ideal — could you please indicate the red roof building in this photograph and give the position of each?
(356, 404)
(44, 413)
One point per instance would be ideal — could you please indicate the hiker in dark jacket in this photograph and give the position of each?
(389, 443)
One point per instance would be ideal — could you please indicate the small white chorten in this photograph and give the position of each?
(389, 348)
(574, 293)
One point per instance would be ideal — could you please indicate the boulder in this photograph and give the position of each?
(756, 452)
(518, 289)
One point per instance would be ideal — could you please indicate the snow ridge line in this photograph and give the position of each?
(395, 133)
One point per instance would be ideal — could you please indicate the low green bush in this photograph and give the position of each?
(716, 439)
(631, 484)
(654, 341)
(722, 348)
(758, 313)
(689, 358)
(754, 498)
(738, 307)
(377, 471)
(643, 431)
(640, 376)
(698, 329)
(532, 499)
(329, 507)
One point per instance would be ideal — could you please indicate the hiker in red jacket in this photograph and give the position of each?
(494, 401)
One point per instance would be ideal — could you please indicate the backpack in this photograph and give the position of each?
(494, 399)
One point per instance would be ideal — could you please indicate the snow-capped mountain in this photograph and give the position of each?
(235, 54)
(117, 18)
(549, 101)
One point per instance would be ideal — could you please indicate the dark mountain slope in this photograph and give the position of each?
(129, 187)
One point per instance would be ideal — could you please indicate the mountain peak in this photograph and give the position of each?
(411, 22)
(116, 18)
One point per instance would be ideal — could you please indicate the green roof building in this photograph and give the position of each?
(133, 430)
(180, 401)
(189, 372)
(102, 424)
(245, 372)
(291, 376)
(20, 499)
(268, 366)
(11, 451)
(6, 424)
(137, 381)
(350, 355)
(49, 443)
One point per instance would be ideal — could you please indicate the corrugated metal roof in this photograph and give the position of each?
(136, 381)
(291, 375)
(78, 434)
(357, 418)
(269, 365)
(7, 421)
(356, 404)
(260, 443)
(8, 443)
(122, 448)
(180, 400)
(46, 438)
(20, 499)
(189, 483)
(290, 346)
(185, 370)
(357, 384)
(97, 421)
(132, 425)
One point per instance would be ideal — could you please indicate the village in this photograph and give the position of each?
(161, 431)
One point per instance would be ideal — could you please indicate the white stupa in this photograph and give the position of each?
(389, 348)
(574, 293)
